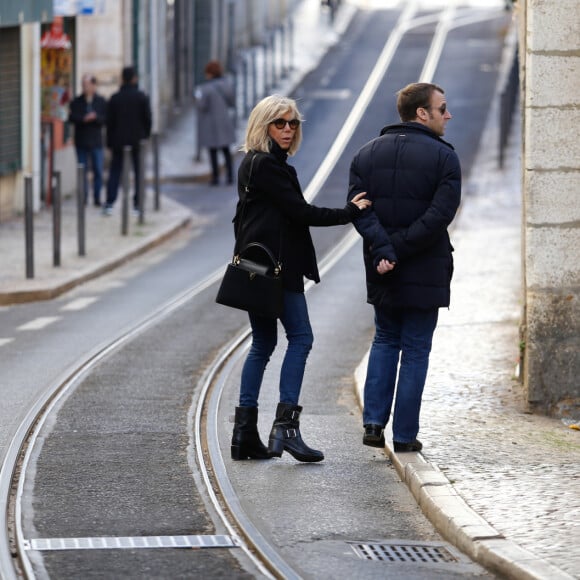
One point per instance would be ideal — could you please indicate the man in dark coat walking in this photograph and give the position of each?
(128, 122)
(413, 178)
(87, 113)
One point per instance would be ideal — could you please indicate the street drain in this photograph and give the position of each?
(404, 553)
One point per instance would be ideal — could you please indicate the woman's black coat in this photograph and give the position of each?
(276, 214)
(413, 179)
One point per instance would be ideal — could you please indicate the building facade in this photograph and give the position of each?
(549, 34)
(20, 122)
(49, 44)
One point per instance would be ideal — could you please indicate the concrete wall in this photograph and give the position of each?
(550, 49)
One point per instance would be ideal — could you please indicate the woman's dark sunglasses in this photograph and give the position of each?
(281, 123)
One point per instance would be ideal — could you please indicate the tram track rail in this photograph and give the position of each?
(203, 432)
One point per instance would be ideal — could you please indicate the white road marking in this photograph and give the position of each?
(338, 94)
(80, 303)
(4, 341)
(39, 323)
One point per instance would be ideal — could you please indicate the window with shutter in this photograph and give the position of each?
(10, 98)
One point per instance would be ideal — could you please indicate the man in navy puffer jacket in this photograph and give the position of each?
(413, 178)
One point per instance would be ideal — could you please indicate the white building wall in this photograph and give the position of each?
(550, 38)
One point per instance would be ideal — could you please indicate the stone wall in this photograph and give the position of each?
(550, 60)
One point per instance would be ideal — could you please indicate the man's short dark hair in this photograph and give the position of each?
(413, 97)
(128, 74)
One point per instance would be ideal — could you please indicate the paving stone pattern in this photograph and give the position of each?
(518, 471)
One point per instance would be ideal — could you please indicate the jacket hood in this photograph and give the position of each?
(413, 126)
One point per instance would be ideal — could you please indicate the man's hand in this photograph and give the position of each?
(385, 266)
(360, 202)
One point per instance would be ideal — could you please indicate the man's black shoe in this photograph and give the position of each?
(406, 447)
(374, 436)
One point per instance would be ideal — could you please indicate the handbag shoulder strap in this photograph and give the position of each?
(247, 186)
(244, 202)
(247, 189)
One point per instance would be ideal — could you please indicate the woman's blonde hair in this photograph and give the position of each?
(267, 110)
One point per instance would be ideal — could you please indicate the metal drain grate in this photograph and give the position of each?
(406, 553)
(131, 543)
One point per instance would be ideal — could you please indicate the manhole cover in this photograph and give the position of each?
(399, 552)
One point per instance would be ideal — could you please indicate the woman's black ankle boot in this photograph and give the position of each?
(285, 435)
(246, 443)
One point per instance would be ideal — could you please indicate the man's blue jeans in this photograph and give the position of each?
(408, 333)
(264, 338)
(92, 156)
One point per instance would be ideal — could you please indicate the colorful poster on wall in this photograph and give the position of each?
(56, 71)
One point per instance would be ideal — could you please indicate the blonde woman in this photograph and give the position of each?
(272, 210)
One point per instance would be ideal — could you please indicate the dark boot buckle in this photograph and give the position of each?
(290, 433)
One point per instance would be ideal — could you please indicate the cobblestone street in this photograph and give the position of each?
(519, 471)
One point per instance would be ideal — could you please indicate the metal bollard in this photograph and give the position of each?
(28, 226)
(56, 218)
(156, 171)
(141, 182)
(125, 184)
(81, 233)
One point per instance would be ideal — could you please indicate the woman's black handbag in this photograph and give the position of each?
(254, 284)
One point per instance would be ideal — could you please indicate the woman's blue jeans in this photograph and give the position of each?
(407, 333)
(264, 338)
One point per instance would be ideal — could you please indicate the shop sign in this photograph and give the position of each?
(76, 7)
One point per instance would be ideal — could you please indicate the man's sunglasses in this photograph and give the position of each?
(442, 109)
(281, 123)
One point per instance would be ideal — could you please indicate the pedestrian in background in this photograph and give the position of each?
(87, 112)
(413, 178)
(272, 210)
(128, 123)
(215, 99)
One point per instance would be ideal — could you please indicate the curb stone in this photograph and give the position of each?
(455, 520)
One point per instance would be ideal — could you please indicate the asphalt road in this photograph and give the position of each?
(115, 457)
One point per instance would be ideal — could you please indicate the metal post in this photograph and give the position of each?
(156, 171)
(56, 218)
(245, 84)
(81, 233)
(290, 43)
(283, 63)
(254, 75)
(274, 73)
(28, 226)
(141, 182)
(266, 67)
(125, 182)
